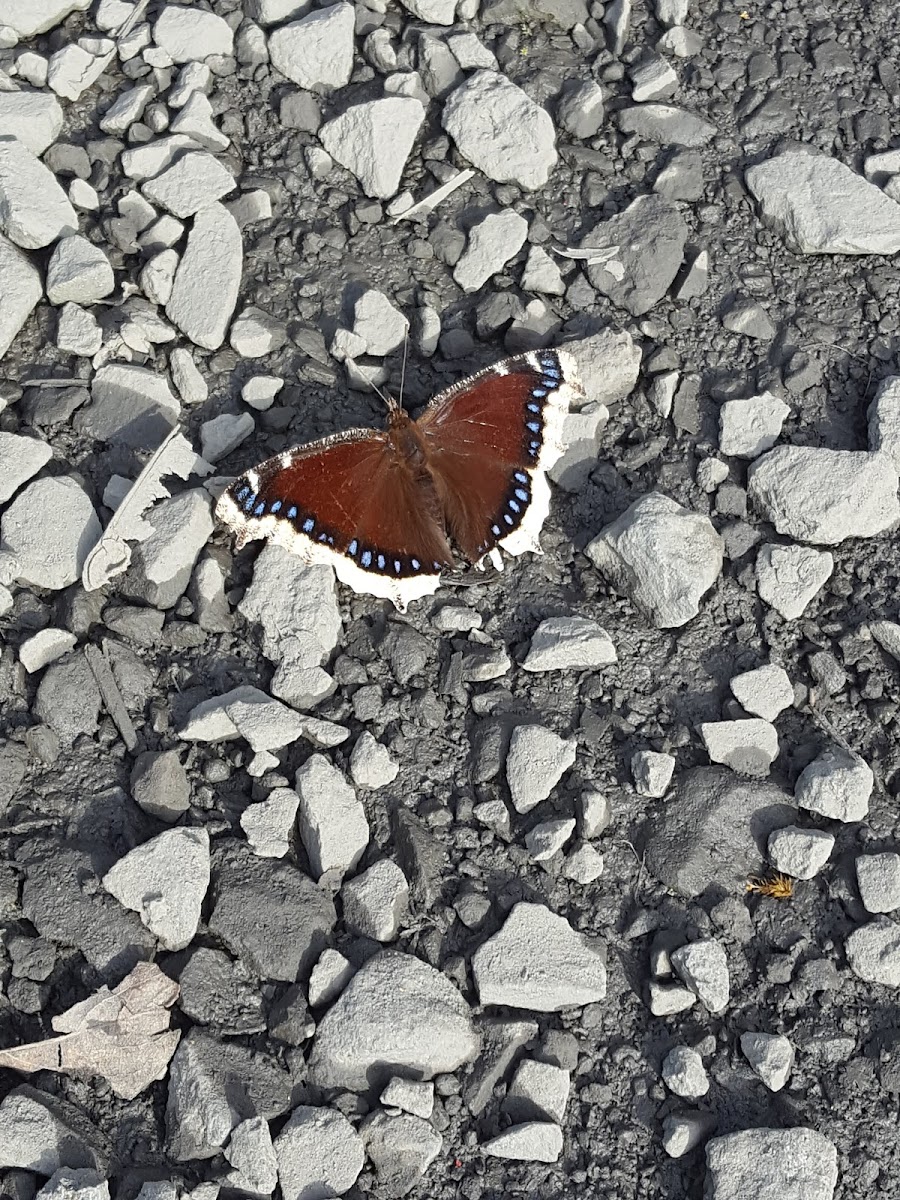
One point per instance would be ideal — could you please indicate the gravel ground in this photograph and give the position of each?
(577, 878)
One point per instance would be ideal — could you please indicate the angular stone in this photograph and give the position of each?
(749, 427)
(684, 1074)
(788, 577)
(878, 876)
(652, 772)
(537, 760)
(884, 419)
(771, 1056)
(763, 1163)
(187, 34)
(748, 746)
(837, 784)
(43, 1133)
(374, 140)
(534, 1141)
(194, 182)
(703, 967)
(569, 643)
(61, 503)
(376, 901)
(396, 1014)
(316, 51)
(645, 244)
(401, 1148)
(765, 692)
(538, 961)
(268, 824)
(666, 125)
(20, 290)
(132, 406)
(800, 853)
(319, 1154)
(34, 210)
(208, 278)
(332, 821)
(161, 566)
(35, 118)
(492, 243)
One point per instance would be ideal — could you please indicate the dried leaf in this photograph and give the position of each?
(122, 1035)
(110, 557)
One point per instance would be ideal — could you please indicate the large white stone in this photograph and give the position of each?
(316, 51)
(35, 118)
(30, 17)
(194, 182)
(208, 278)
(34, 210)
(20, 290)
(78, 271)
(59, 504)
(188, 33)
(373, 140)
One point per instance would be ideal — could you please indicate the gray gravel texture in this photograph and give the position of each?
(820, 331)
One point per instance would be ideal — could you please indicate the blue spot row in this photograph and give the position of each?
(520, 477)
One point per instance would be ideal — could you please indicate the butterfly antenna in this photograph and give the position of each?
(389, 402)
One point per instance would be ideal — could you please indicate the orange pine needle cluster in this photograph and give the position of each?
(778, 886)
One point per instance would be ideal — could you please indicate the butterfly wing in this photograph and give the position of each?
(490, 441)
(349, 501)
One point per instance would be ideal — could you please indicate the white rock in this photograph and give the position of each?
(273, 12)
(788, 577)
(765, 692)
(371, 764)
(380, 326)
(548, 838)
(538, 961)
(266, 724)
(662, 556)
(332, 821)
(193, 77)
(373, 140)
(78, 271)
(190, 383)
(223, 434)
(57, 562)
(44, 647)
(161, 566)
(652, 78)
(873, 952)
(409, 1096)
(771, 1056)
(194, 182)
(541, 274)
(316, 51)
(20, 459)
(78, 332)
(196, 122)
(538, 1091)
(20, 290)
(268, 824)
(35, 118)
(878, 876)
(819, 206)
(703, 967)
(208, 278)
(192, 33)
(537, 760)
(127, 108)
(749, 427)
(30, 17)
(329, 977)
(376, 901)
(884, 419)
(252, 1156)
(748, 746)
(667, 999)
(533, 1141)
(164, 881)
(145, 162)
(683, 1131)
(837, 784)
(500, 130)
(75, 68)
(569, 643)
(34, 210)
(491, 244)
(652, 772)
(784, 1164)
(800, 853)
(584, 864)
(684, 1074)
(131, 405)
(255, 333)
(434, 12)
(319, 1153)
(157, 277)
(260, 391)
(825, 496)
(83, 196)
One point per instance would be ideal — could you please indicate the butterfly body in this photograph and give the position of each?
(386, 508)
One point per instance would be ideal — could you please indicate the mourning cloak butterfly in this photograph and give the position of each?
(383, 508)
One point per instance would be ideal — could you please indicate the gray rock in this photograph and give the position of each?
(78, 332)
(563, 14)
(538, 961)
(35, 118)
(20, 458)
(534, 1141)
(836, 784)
(252, 1156)
(376, 901)
(581, 435)
(290, 599)
(609, 363)
(749, 318)
(684, 1074)
(682, 1132)
(209, 1079)
(703, 967)
(537, 760)
(539, 1091)
(409, 1096)
(381, 326)
(763, 1163)
(266, 724)
(221, 993)
(714, 830)
(541, 274)
(34, 210)
(291, 916)
(581, 110)
(682, 177)
(127, 108)
(819, 206)
(878, 876)
(401, 1148)
(68, 699)
(317, 50)
(332, 821)
(748, 746)
(23, 531)
(749, 427)
(159, 784)
(800, 853)
(374, 140)
(63, 899)
(164, 881)
(873, 952)
(329, 977)
(667, 999)
(208, 278)
(43, 1133)
(652, 772)
(584, 864)
(256, 333)
(71, 1184)
(661, 556)
(771, 1056)
(130, 405)
(78, 271)
(825, 496)
(492, 243)
(268, 824)
(887, 635)
(501, 1040)
(569, 643)
(319, 1154)
(20, 290)
(395, 1014)
(652, 78)
(500, 130)
(666, 125)
(193, 33)
(646, 244)
(371, 764)
(766, 692)
(788, 577)
(161, 566)
(548, 838)
(884, 419)
(191, 183)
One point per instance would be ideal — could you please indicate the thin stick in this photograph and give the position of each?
(403, 367)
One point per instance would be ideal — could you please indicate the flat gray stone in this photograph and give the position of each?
(268, 824)
(766, 692)
(819, 206)
(161, 566)
(609, 363)
(208, 278)
(825, 496)
(537, 760)
(187, 34)
(195, 181)
(396, 1014)
(800, 853)
(539, 1091)
(538, 961)
(533, 1141)
(749, 427)
(332, 820)
(35, 118)
(20, 458)
(569, 644)
(401, 1148)
(376, 901)
(500, 130)
(78, 271)
(319, 1154)
(766, 1164)
(43, 1133)
(159, 784)
(491, 244)
(749, 746)
(666, 125)
(661, 556)
(652, 772)
(873, 952)
(60, 502)
(291, 600)
(878, 876)
(131, 406)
